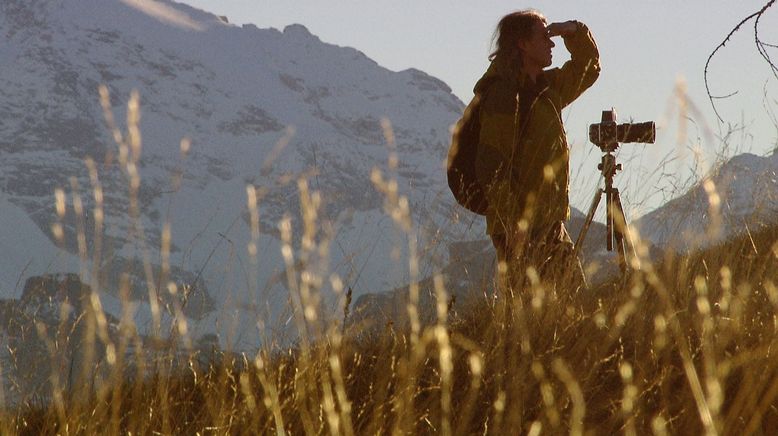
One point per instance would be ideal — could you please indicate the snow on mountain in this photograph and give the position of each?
(24, 249)
(741, 196)
(235, 92)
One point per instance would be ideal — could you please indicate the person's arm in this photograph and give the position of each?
(583, 68)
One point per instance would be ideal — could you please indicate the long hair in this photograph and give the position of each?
(511, 29)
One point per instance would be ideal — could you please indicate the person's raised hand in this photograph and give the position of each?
(561, 29)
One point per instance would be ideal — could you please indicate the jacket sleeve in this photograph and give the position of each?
(583, 68)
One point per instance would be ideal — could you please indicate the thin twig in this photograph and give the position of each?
(762, 48)
(757, 14)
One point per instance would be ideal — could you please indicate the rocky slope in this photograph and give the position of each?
(260, 107)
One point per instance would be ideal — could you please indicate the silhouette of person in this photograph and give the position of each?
(522, 161)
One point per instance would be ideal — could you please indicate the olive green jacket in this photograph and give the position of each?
(524, 171)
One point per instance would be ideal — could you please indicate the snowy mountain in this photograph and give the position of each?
(739, 196)
(260, 107)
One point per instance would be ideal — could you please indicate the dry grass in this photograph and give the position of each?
(681, 347)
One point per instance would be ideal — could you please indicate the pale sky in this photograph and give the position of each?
(647, 49)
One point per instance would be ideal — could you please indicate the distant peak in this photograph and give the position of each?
(425, 81)
(298, 30)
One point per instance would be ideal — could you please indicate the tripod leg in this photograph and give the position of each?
(628, 241)
(609, 217)
(621, 232)
(589, 219)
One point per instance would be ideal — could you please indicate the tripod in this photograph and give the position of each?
(607, 135)
(616, 222)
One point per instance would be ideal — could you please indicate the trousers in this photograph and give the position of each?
(549, 250)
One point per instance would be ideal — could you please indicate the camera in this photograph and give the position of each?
(608, 134)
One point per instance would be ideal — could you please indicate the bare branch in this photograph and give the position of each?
(759, 44)
(762, 48)
(720, 97)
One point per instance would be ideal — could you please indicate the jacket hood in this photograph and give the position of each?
(497, 71)
(492, 73)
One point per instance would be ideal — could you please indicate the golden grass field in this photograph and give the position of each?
(681, 346)
(684, 347)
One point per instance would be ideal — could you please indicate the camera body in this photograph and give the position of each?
(608, 134)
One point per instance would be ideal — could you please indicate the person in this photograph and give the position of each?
(522, 161)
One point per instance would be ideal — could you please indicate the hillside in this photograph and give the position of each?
(217, 108)
(738, 197)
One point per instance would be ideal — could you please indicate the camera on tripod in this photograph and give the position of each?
(608, 134)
